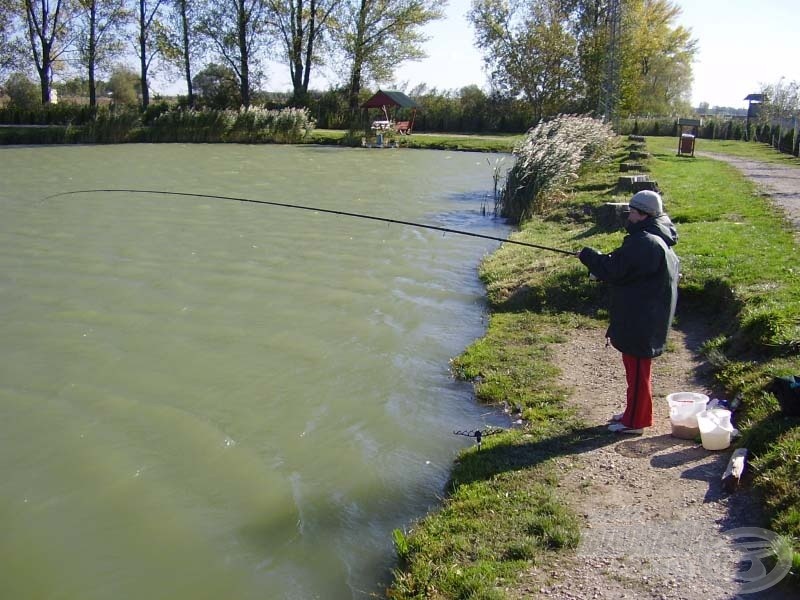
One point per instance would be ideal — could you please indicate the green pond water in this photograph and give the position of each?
(211, 399)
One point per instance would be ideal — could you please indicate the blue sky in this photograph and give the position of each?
(743, 43)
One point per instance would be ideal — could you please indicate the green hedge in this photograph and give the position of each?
(55, 134)
(160, 123)
(50, 114)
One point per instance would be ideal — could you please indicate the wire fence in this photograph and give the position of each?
(781, 133)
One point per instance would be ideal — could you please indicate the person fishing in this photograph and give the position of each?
(643, 278)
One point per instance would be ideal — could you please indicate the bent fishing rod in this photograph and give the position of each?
(315, 209)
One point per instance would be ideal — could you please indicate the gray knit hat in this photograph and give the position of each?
(647, 202)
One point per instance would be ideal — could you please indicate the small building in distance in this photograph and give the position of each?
(754, 106)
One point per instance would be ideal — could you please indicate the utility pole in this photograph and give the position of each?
(608, 106)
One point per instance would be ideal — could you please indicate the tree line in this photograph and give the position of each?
(553, 56)
(366, 38)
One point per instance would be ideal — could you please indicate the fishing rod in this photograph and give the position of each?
(321, 210)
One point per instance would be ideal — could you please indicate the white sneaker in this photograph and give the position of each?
(620, 428)
(617, 417)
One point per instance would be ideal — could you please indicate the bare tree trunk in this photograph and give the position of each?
(297, 46)
(300, 31)
(143, 53)
(355, 85)
(244, 54)
(312, 34)
(358, 63)
(187, 63)
(42, 30)
(92, 53)
(44, 81)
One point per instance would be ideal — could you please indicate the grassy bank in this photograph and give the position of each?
(738, 267)
(48, 134)
(756, 151)
(430, 141)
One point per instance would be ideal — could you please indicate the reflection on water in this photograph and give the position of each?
(208, 399)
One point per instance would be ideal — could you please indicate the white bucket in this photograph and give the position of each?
(715, 428)
(683, 410)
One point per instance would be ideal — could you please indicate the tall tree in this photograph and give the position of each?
(8, 54)
(181, 44)
(657, 55)
(47, 23)
(591, 26)
(555, 53)
(150, 32)
(529, 50)
(99, 24)
(782, 100)
(377, 35)
(217, 87)
(22, 92)
(301, 28)
(123, 84)
(186, 29)
(236, 30)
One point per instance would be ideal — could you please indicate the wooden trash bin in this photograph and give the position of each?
(686, 138)
(686, 144)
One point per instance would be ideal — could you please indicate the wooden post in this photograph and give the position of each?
(612, 215)
(631, 166)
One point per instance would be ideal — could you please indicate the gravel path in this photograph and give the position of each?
(653, 506)
(779, 182)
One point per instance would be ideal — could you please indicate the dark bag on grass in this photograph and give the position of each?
(787, 391)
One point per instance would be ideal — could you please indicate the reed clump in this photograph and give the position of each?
(117, 125)
(247, 125)
(551, 155)
(111, 127)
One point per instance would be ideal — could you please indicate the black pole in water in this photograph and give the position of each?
(321, 210)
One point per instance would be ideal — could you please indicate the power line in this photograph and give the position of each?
(608, 105)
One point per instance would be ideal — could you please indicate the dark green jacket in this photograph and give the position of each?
(643, 279)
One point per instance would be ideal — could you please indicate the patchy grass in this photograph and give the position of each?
(730, 234)
(470, 143)
(500, 517)
(502, 513)
(326, 136)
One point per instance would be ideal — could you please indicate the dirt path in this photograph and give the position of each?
(781, 183)
(653, 507)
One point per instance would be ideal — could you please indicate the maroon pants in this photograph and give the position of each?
(639, 409)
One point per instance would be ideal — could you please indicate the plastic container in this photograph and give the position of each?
(683, 410)
(715, 428)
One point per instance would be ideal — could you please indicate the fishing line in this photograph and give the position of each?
(320, 210)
